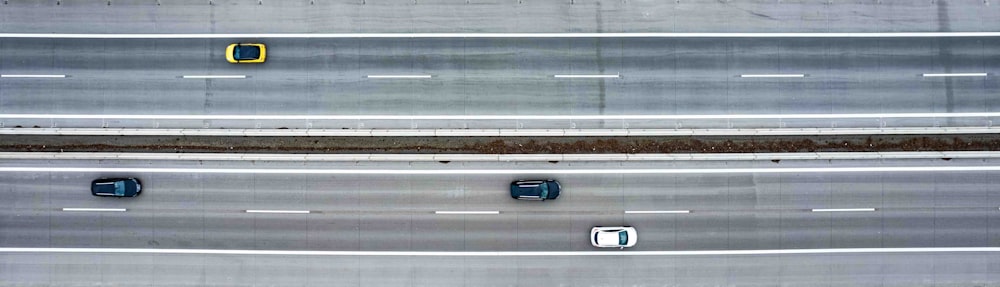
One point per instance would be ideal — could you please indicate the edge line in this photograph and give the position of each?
(498, 253)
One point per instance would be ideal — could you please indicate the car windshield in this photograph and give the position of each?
(545, 190)
(120, 188)
(622, 237)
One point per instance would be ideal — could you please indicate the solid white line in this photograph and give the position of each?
(841, 209)
(773, 76)
(278, 211)
(467, 212)
(503, 35)
(95, 209)
(32, 76)
(398, 76)
(657, 211)
(587, 76)
(956, 75)
(499, 253)
(502, 171)
(215, 77)
(502, 157)
(496, 132)
(502, 117)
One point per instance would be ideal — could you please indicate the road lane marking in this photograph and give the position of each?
(500, 157)
(501, 171)
(312, 132)
(398, 76)
(956, 75)
(587, 76)
(278, 211)
(95, 209)
(657, 211)
(501, 253)
(502, 35)
(32, 76)
(467, 212)
(773, 76)
(841, 209)
(503, 117)
(214, 77)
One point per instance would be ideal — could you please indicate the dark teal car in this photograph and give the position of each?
(535, 189)
(116, 187)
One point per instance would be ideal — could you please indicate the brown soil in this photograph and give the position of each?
(508, 145)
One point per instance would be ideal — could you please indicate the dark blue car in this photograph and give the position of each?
(534, 189)
(116, 187)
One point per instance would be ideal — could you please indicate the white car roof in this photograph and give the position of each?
(608, 238)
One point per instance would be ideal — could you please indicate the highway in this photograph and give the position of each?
(733, 211)
(516, 83)
(451, 16)
(501, 68)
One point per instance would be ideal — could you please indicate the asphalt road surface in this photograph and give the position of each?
(511, 77)
(744, 211)
(449, 16)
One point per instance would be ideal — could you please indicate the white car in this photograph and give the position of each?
(617, 236)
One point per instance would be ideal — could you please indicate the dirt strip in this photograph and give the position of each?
(501, 145)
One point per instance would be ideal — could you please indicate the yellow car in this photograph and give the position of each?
(246, 53)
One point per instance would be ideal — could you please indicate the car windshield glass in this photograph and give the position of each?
(545, 190)
(622, 237)
(119, 188)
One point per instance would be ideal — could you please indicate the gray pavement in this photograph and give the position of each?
(225, 270)
(502, 77)
(395, 213)
(408, 16)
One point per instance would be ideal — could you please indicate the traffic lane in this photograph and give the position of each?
(486, 16)
(511, 57)
(506, 231)
(473, 57)
(172, 270)
(385, 231)
(608, 192)
(773, 200)
(225, 192)
(269, 88)
(581, 193)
